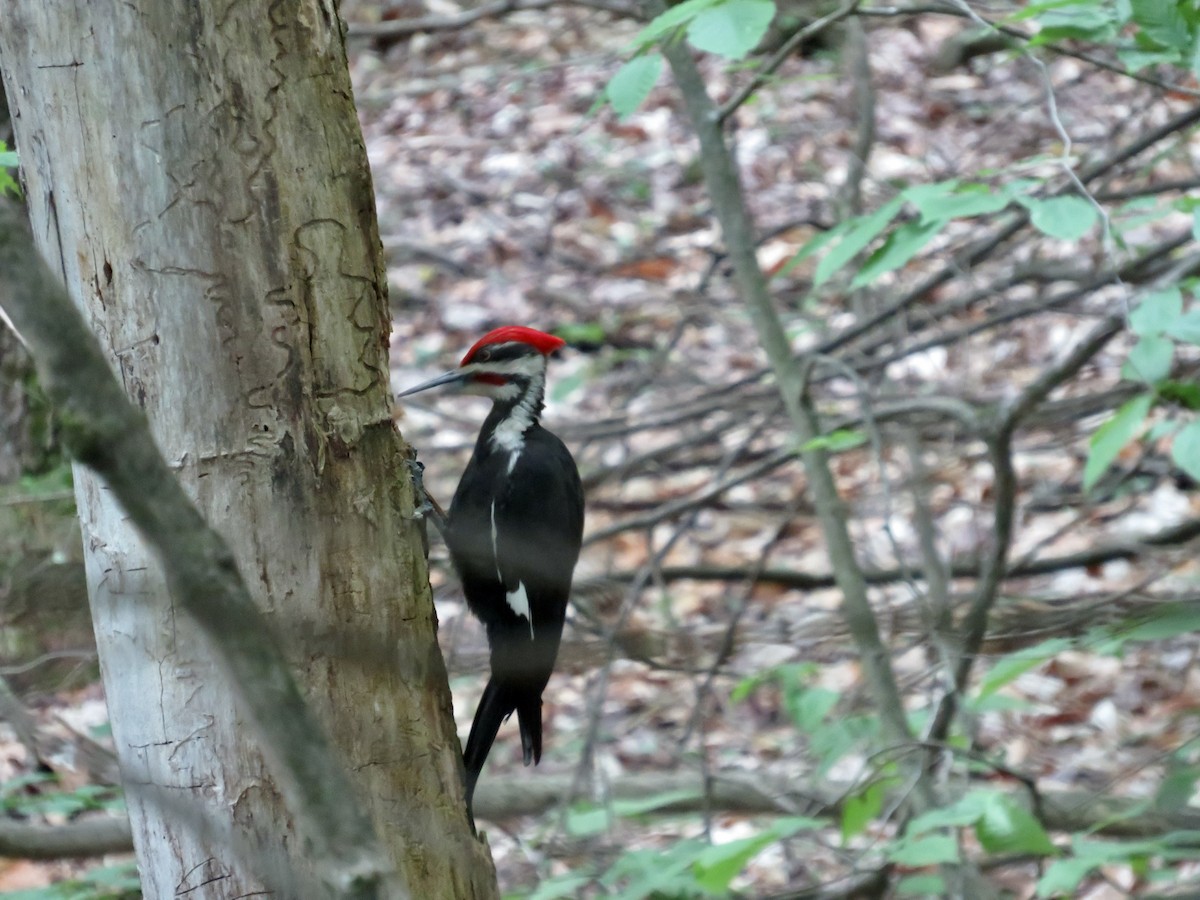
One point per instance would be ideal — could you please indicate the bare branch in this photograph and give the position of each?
(394, 30)
(767, 793)
(1094, 556)
(86, 837)
(768, 68)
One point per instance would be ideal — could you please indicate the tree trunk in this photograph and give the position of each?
(197, 172)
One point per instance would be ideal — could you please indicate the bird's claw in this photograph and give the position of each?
(424, 506)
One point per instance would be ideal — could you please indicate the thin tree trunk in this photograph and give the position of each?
(196, 171)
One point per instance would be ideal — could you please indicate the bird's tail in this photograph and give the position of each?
(500, 699)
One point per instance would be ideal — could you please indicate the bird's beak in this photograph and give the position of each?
(453, 377)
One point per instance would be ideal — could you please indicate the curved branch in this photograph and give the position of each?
(395, 30)
(768, 794)
(1084, 559)
(86, 837)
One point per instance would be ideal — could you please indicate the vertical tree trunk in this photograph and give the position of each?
(197, 171)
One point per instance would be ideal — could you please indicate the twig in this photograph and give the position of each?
(23, 499)
(858, 61)
(888, 12)
(397, 29)
(42, 659)
(1094, 556)
(687, 504)
(768, 68)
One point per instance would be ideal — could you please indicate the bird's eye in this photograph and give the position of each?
(483, 355)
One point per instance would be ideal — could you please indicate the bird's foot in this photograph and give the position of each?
(416, 471)
(425, 507)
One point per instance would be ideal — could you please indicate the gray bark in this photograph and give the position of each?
(196, 173)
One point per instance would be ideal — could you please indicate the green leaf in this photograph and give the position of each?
(1063, 876)
(901, 245)
(859, 809)
(732, 29)
(717, 866)
(839, 736)
(1135, 60)
(1185, 449)
(1157, 312)
(1149, 360)
(587, 820)
(949, 200)
(810, 707)
(1175, 791)
(1063, 218)
(1185, 393)
(639, 806)
(1186, 328)
(1008, 668)
(628, 89)
(652, 873)
(1008, 828)
(582, 333)
(836, 441)
(1019, 187)
(564, 887)
(1091, 23)
(924, 885)
(1034, 10)
(927, 850)
(966, 810)
(9, 159)
(860, 233)
(664, 24)
(1111, 437)
(746, 687)
(568, 385)
(1162, 22)
(813, 245)
(721, 864)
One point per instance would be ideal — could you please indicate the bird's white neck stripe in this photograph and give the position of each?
(509, 434)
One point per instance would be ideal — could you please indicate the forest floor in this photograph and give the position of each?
(506, 197)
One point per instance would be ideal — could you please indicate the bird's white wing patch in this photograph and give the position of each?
(518, 602)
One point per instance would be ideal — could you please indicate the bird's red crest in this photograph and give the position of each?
(542, 342)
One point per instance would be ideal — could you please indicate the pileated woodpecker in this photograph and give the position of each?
(514, 531)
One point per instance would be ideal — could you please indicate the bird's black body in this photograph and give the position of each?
(514, 531)
(537, 511)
